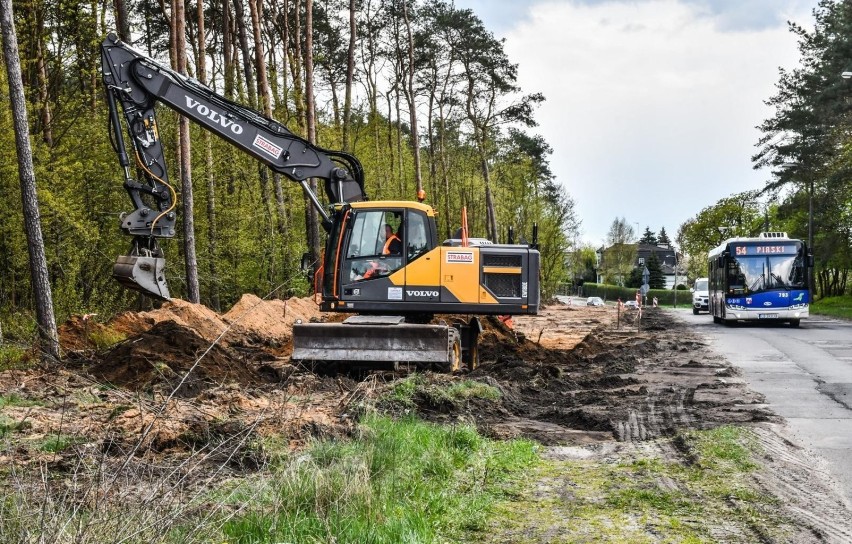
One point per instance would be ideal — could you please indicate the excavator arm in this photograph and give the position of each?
(138, 83)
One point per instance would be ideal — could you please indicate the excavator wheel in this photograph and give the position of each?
(454, 353)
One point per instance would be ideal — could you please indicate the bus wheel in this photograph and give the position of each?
(795, 322)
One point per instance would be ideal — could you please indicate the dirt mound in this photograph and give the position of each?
(252, 323)
(255, 322)
(81, 333)
(160, 358)
(201, 319)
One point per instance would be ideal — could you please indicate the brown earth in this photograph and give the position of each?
(186, 379)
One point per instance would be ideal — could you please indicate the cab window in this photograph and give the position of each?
(417, 242)
(374, 248)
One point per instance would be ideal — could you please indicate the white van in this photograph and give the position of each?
(700, 295)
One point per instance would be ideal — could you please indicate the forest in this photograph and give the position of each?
(420, 91)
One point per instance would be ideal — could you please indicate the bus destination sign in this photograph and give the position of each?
(749, 250)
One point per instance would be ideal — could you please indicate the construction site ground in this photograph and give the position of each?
(155, 388)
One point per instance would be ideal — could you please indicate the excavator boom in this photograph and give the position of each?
(137, 84)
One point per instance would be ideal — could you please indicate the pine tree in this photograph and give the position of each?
(663, 238)
(649, 237)
(655, 279)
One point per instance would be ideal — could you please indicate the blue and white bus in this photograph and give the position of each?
(763, 278)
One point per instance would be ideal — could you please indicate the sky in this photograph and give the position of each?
(651, 105)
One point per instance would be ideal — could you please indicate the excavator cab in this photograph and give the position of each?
(370, 250)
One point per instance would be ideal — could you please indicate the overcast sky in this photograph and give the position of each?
(650, 104)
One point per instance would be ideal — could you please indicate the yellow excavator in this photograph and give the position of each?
(383, 261)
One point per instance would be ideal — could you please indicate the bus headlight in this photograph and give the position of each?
(798, 306)
(736, 307)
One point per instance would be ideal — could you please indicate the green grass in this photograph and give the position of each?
(56, 443)
(105, 338)
(13, 399)
(834, 306)
(8, 425)
(400, 481)
(705, 496)
(404, 393)
(12, 356)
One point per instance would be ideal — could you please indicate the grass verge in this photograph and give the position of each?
(395, 481)
(834, 306)
(701, 495)
(401, 481)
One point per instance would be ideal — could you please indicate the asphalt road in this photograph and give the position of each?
(806, 376)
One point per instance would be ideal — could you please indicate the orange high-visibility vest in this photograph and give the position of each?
(391, 238)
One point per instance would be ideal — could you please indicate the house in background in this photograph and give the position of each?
(668, 260)
(665, 254)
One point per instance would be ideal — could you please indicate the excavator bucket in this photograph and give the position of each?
(143, 274)
(373, 342)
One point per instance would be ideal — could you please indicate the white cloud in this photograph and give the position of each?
(651, 105)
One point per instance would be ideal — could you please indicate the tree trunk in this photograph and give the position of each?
(121, 23)
(285, 64)
(412, 107)
(399, 158)
(390, 151)
(489, 199)
(335, 101)
(259, 59)
(227, 46)
(312, 226)
(296, 69)
(239, 15)
(29, 198)
(212, 242)
(350, 76)
(43, 94)
(265, 97)
(190, 259)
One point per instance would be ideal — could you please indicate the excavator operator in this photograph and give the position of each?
(393, 245)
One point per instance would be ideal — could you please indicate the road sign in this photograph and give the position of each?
(644, 289)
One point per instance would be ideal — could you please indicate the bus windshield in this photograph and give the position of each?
(754, 274)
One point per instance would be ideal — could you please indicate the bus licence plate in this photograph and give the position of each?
(767, 316)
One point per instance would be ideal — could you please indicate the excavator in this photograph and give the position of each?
(384, 262)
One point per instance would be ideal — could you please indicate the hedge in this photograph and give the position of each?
(614, 292)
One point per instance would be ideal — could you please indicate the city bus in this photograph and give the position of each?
(762, 279)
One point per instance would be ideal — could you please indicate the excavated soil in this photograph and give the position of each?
(185, 379)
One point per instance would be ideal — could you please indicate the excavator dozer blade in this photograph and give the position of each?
(368, 344)
(143, 274)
